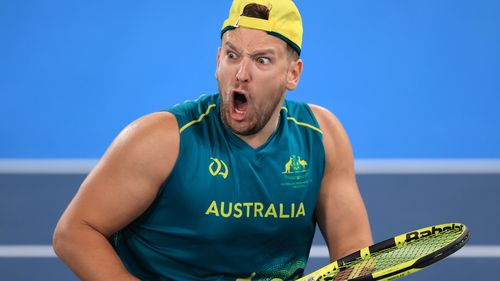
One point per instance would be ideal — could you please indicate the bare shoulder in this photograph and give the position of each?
(332, 128)
(326, 119)
(148, 146)
(150, 131)
(335, 139)
(155, 126)
(128, 177)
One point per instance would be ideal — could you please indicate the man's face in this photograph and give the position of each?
(253, 74)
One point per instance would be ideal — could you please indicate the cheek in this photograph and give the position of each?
(273, 81)
(223, 72)
(219, 73)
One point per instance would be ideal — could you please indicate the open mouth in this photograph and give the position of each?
(240, 104)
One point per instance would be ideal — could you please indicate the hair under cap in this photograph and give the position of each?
(284, 20)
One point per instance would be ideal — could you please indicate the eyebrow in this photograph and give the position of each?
(268, 51)
(231, 46)
(257, 52)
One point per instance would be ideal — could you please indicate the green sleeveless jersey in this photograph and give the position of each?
(229, 211)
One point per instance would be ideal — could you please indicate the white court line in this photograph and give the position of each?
(46, 251)
(476, 251)
(27, 251)
(427, 166)
(46, 166)
(362, 166)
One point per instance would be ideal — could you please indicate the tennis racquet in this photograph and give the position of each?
(396, 257)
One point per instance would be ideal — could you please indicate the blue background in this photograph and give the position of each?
(409, 79)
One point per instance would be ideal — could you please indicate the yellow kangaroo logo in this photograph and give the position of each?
(288, 165)
(295, 165)
(220, 169)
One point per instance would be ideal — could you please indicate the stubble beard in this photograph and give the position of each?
(259, 119)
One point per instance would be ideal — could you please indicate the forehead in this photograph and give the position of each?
(253, 39)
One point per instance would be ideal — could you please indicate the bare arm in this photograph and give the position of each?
(120, 188)
(340, 212)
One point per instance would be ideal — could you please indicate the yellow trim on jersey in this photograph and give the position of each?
(302, 123)
(197, 120)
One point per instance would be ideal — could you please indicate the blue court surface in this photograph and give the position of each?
(31, 204)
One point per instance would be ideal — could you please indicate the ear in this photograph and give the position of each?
(293, 75)
(218, 62)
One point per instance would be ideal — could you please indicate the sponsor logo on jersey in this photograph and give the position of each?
(296, 172)
(295, 165)
(218, 168)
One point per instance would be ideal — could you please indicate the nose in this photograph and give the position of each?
(243, 74)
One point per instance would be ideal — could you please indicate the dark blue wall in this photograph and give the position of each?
(32, 204)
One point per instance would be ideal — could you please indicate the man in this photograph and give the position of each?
(229, 186)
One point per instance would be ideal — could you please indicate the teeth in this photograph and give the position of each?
(238, 111)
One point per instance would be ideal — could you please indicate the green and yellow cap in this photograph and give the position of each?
(284, 20)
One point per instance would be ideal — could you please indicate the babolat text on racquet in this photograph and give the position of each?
(396, 257)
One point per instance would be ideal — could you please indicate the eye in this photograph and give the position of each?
(231, 55)
(264, 60)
